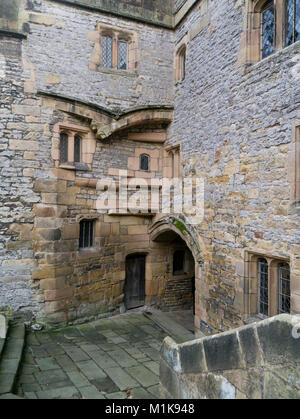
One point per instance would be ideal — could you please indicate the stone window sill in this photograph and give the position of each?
(75, 166)
(89, 252)
(285, 50)
(254, 319)
(116, 71)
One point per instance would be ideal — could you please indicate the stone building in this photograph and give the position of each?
(131, 89)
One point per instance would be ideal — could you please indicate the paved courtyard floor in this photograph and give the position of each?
(115, 358)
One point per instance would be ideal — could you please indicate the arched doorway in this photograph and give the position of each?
(135, 281)
(176, 245)
(173, 267)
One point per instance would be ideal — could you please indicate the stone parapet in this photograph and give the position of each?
(259, 361)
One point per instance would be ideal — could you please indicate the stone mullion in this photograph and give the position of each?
(273, 287)
(115, 49)
(280, 24)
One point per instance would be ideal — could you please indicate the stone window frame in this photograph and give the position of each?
(181, 51)
(294, 169)
(180, 65)
(87, 252)
(172, 161)
(149, 162)
(251, 39)
(88, 146)
(91, 245)
(252, 282)
(119, 34)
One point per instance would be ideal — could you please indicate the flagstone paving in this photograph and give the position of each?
(114, 358)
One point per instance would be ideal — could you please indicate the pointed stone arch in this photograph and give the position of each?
(183, 229)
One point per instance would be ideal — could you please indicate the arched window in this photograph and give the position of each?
(268, 29)
(181, 64)
(63, 147)
(144, 162)
(263, 287)
(292, 14)
(270, 26)
(284, 288)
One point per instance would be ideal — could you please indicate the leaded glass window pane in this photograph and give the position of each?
(284, 289)
(268, 29)
(292, 21)
(63, 148)
(144, 160)
(86, 236)
(123, 52)
(77, 147)
(263, 294)
(107, 51)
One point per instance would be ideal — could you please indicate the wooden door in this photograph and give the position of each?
(135, 281)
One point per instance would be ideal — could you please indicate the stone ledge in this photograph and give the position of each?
(13, 34)
(118, 13)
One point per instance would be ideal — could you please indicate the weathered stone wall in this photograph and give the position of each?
(259, 361)
(42, 272)
(18, 133)
(235, 127)
(70, 38)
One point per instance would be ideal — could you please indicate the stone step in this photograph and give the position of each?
(11, 356)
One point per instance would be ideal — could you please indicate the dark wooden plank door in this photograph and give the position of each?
(135, 281)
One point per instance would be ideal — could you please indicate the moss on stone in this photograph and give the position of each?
(178, 224)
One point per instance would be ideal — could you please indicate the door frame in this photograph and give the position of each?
(132, 255)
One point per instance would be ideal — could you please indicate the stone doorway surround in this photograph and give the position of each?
(179, 226)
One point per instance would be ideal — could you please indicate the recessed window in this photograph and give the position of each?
(284, 289)
(107, 47)
(292, 21)
(263, 288)
(268, 29)
(181, 64)
(86, 237)
(271, 26)
(122, 55)
(178, 262)
(70, 148)
(144, 162)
